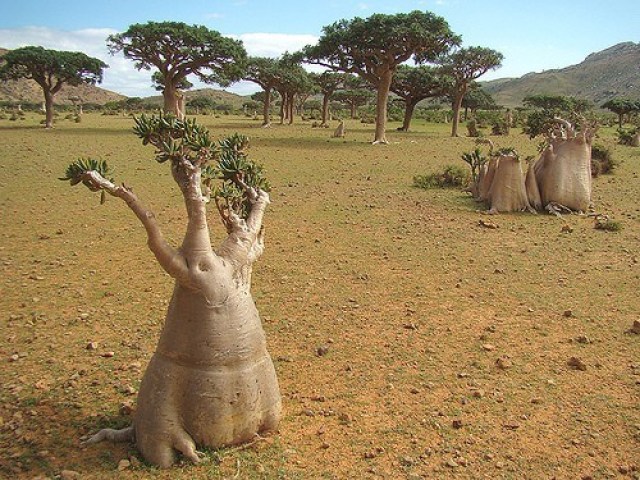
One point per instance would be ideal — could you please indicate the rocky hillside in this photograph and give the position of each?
(29, 91)
(613, 72)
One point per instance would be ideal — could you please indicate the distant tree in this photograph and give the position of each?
(547, 107)
(466, 65)
(178, 50)
(356, 93)
(292, 80)
(374, 47)
(477, 99)
(621, 107)
(328, 83)
(266, 73)
(414, 84)
(201, 102)
(51, 69)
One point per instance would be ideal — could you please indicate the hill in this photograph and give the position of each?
(613, 72)
(218, 96)
(29, 91)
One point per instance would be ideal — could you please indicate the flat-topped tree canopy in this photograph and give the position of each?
(51, 69)
(373, 47)
(178, 50)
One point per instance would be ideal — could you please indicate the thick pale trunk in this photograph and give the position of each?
(211, 381)
(291, 108)
(484, 183)
(266, 111)
(457, 103)
(508, 192)
(635, 140)
(170, 97)
(381, 107)
(533, 192)
(325, 109)
(48, 108)
(339, 132)
(563, 172)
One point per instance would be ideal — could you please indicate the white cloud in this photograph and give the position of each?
(122, 76)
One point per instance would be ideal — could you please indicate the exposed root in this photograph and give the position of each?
(117, 436)
(557, 209)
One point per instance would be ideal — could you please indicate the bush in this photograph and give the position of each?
(626, 137)
(602, 161)
(451, 177)
(608, 225)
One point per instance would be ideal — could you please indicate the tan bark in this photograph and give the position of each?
(484, 185)
(563, 172)
(381, 107)
(339, 132)
(508, 192)
(211, 381)
(531, 184)
(635, 140)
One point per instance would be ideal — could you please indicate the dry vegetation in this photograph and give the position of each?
(410, 341)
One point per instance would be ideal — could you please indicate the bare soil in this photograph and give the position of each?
(410, 341)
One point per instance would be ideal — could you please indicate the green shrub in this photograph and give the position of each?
(602, 161)
(452, 176)
(608, 225)
(625, 137)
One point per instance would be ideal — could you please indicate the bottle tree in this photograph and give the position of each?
(211, 381)
(178, 50)
(374, 47)
(51, 69)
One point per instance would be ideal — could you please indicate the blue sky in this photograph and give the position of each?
(533, 35)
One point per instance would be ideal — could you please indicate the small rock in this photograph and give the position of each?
(107, 354)
(325, 445)
(322, 350)
(487, 224)
(123, 464)
(407, 461)
(536, 400)
(566, 228)
(69, 475)
(583, 339)
(487, 347)
(504, 363)
(14, 357)
(635, 328)
(457, 423)
(511, 425)
(410, 326)
(92, 346)
(479, 393)
(576, 364)
(451, 463)
(568, 313)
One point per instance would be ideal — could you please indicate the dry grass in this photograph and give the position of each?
(414, 299)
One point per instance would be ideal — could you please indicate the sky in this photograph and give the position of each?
(533, 35)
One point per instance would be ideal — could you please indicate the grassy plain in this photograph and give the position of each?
(447, 342)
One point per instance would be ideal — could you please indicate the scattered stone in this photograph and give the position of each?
(635, 328)
(410, 326)
(451, 463)
(325, 445)
(414, 390)
(511, 425)
(487, 347)
(566, 228)
(322, 350)
(107, 354)
(14, 357)
(488, 224)
(123, 464)
(69, 475)
(504, 363)
(479, 393)
(457, 423)
(568, 313)
(536, 400)
(407, 461)
(308, 412)
(576, 364)
(92, 346)
(583, 339)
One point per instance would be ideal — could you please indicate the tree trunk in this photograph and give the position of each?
(170, 96)
(325, 109)
(266, 111)
(353, 110)
(408, 115)
(563, 171)
(211, 381)
(48, 108)
(381, 107)
(457, 103)
(291, 107)
(620, 119)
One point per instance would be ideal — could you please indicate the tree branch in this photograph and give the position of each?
(169, 258)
